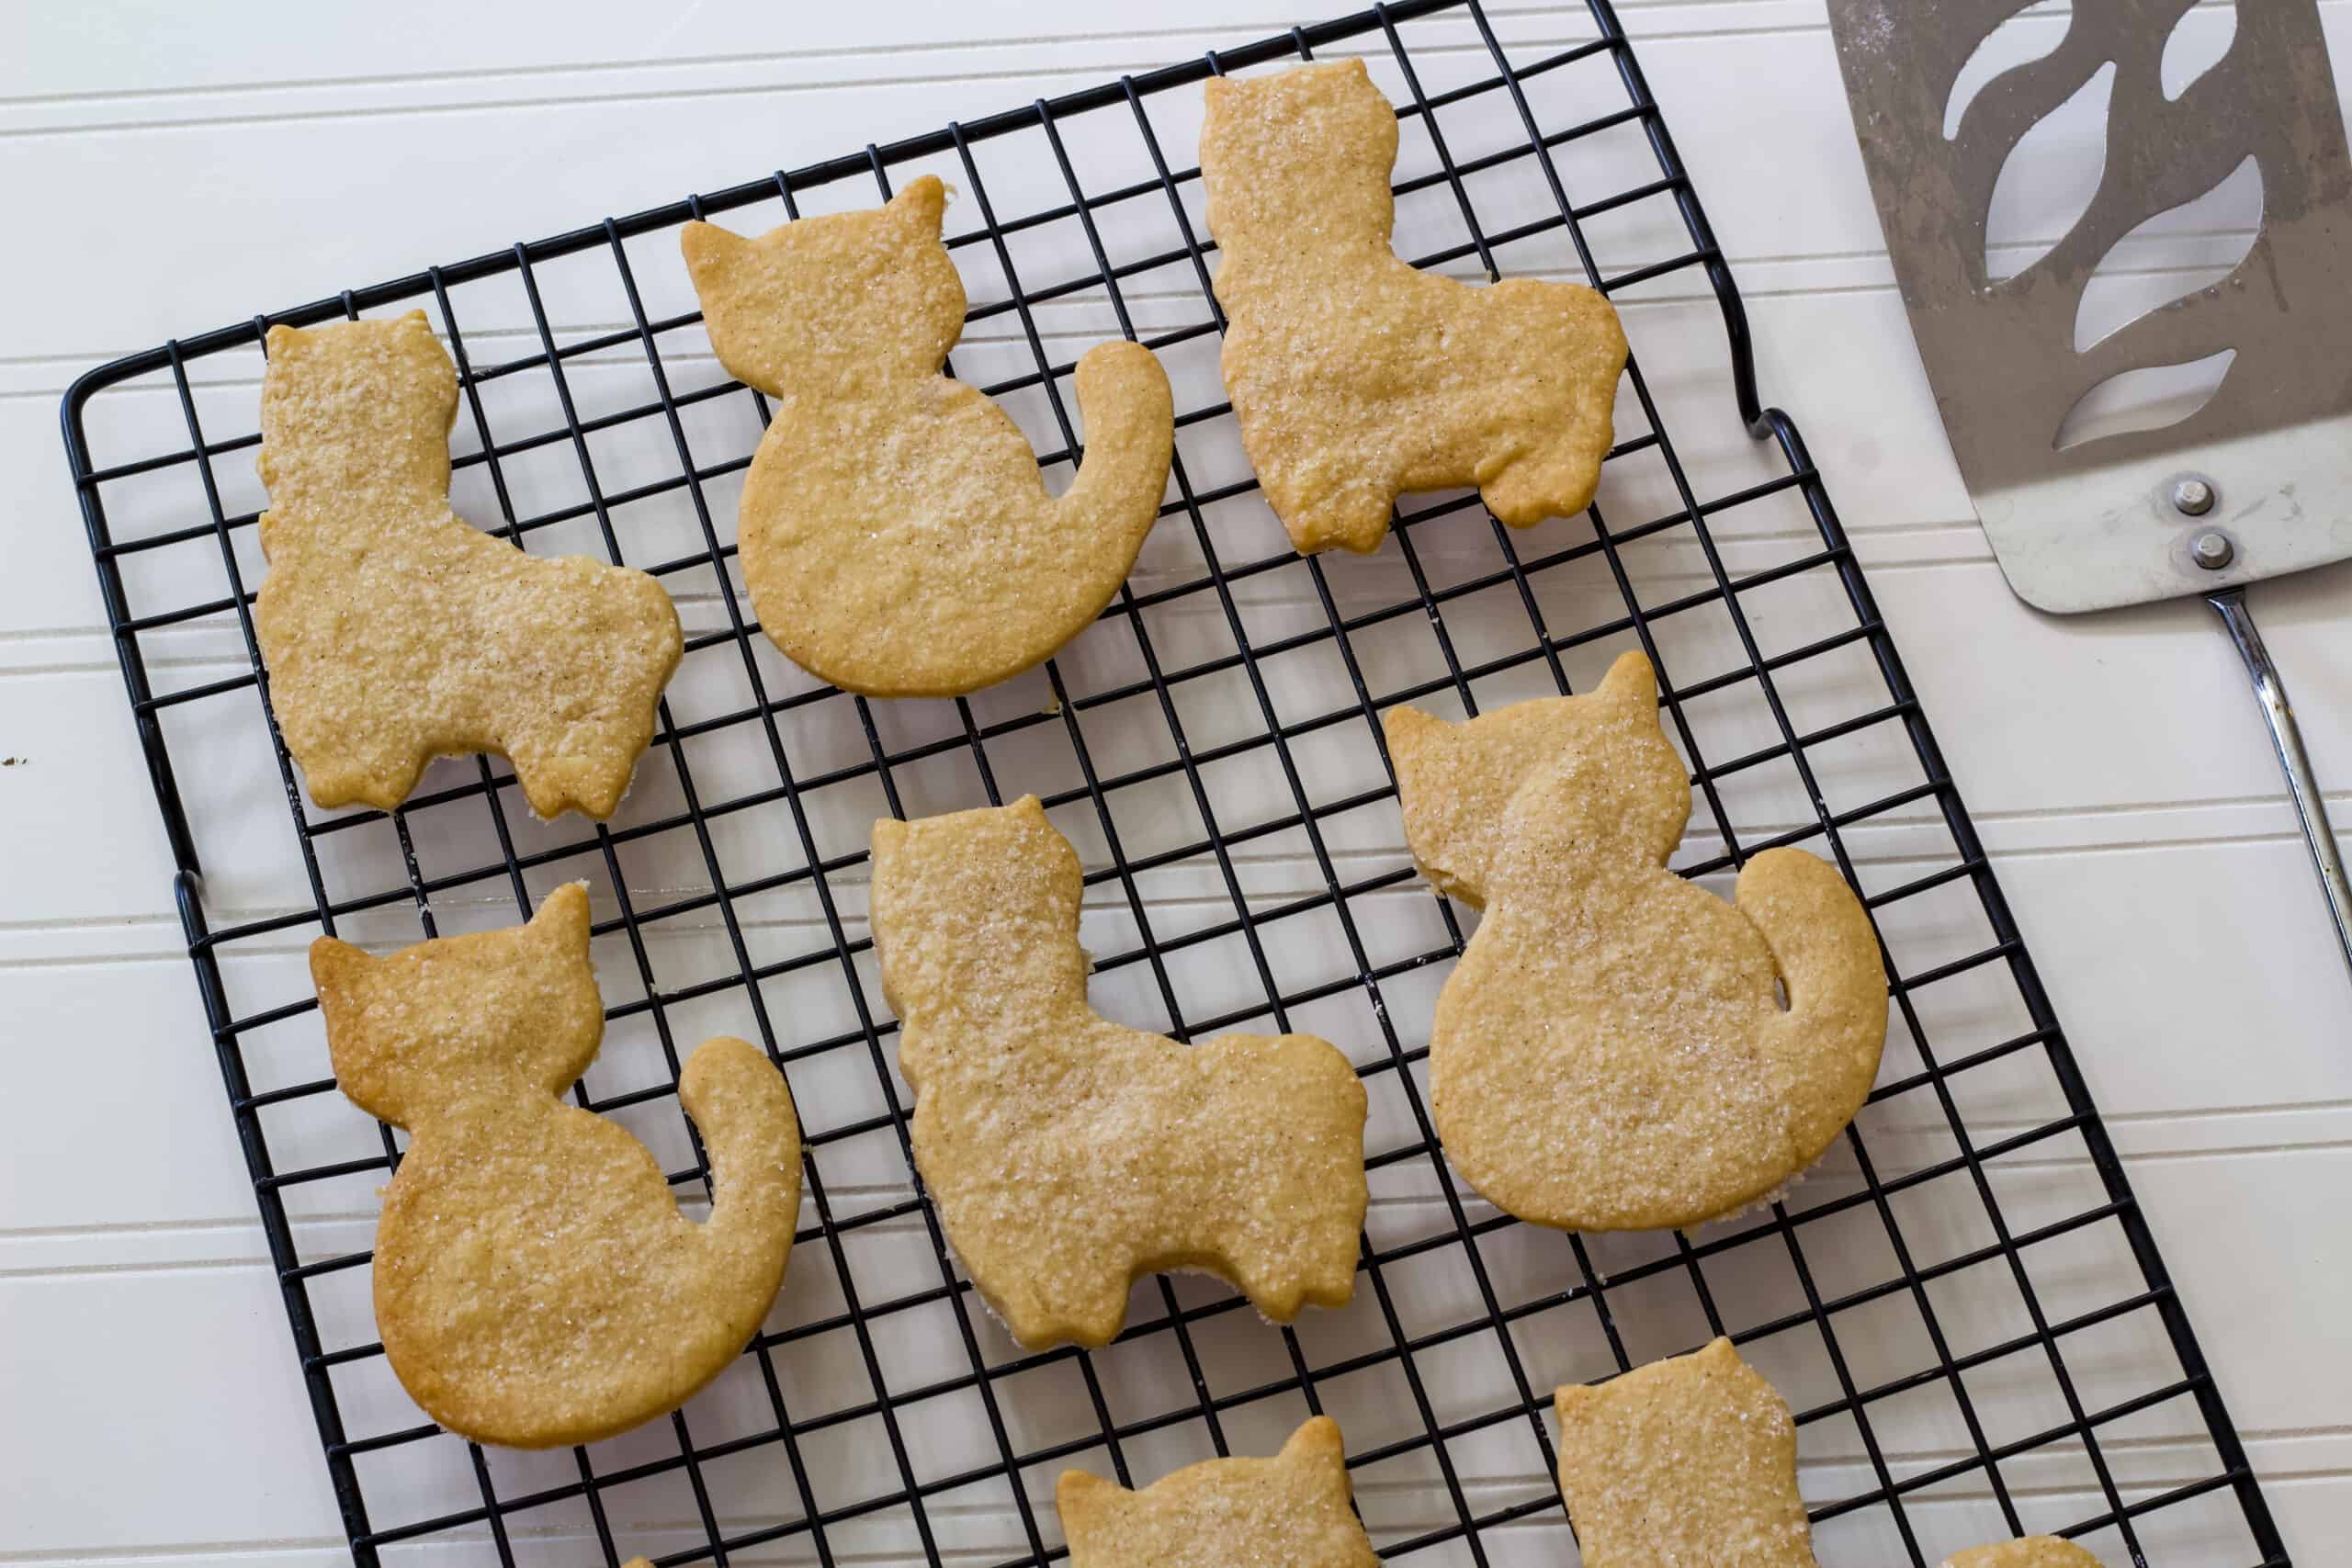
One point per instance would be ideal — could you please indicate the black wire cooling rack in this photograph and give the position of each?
(1963, 1303)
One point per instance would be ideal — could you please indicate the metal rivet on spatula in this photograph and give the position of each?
(2195, 499)
(2212, 551)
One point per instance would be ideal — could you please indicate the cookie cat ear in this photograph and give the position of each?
(1630, 682)
(921, 206)
(569, 1021)
(1317, 1445)
(707, 247)
(561, 919)
(1090, 1506)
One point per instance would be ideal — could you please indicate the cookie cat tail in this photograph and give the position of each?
(1130, 434)
(744, 1110)
(1828, 958)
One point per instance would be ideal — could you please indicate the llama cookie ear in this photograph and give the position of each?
(394, 633)
(1692, 1459)
(1356, 377)
(897, 536)
(2034, 1552)
(1457, 780)
(534, 1283)
(1613, 1052)
(1067, 1155)
(1292, 1509)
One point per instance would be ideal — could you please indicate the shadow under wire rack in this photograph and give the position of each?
(1962, 1302)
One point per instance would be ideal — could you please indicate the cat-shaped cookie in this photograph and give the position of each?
(897, 536)
(1290, 1510)
(1068, 1155)
(1355, 375)
(1687, 1460)
(1609, 1053)
(1692, 1462)
(534, 1283)
(394, 632)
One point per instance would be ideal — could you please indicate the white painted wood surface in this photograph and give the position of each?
(173, 167)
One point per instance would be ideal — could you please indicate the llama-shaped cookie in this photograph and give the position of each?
(1355, 376)
(395, 632)
(1694, 1460)
(897, 536)
(1610, 1052)
(1068, 1155)
(1293, 1510)
(535, 1282)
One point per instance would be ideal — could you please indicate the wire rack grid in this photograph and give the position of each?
(1963, 1303)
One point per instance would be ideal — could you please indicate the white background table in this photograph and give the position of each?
(168, 167)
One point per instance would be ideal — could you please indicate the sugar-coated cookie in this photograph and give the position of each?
(1691, 1462)
(2034, 1552)
(1291, 1511)
(1068, 1155)
(394, 632)
(535, 1282)
(1355, 376)
(897, 536)
(1609, 1053)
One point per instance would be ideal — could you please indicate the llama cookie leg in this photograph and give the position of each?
(393, 632)
(1292, 1509)
(1354, 518)
(897, 536)
(534, 1283)
(1610, 1053)
(1353, 376)
(1692, 1459)
(587, 753)
(1068, 1155)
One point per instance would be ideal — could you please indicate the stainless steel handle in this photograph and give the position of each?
(2310, 806)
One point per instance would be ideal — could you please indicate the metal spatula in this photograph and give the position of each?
(2255, 482)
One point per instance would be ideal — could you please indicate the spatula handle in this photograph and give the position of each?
(2310, 807)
